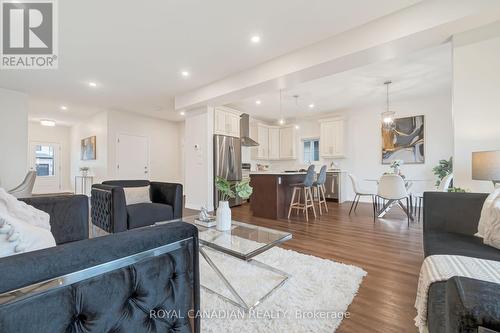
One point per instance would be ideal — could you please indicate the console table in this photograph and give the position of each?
(85, 184)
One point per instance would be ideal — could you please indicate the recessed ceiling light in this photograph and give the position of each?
(64, 107)
(282, 121)
(92, 84)
(255, 39)
(258, 102)
(311, 106)
(297, 127)
(47, 122)
(185, 73)
(182, 113)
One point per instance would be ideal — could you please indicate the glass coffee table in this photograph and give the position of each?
(230, 256)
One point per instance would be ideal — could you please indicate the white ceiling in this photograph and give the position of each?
(421, 74)
(135, 50)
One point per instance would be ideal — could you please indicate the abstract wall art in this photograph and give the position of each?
(404, 140)
(88, 148)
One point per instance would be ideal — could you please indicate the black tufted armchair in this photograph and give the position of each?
(111, 213)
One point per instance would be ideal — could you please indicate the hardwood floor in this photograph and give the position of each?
(388, 250)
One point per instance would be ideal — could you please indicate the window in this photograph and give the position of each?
(44, 161)
(311, 150)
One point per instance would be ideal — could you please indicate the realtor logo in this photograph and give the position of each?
(28, 34)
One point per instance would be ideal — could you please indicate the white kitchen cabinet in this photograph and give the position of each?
(287, 143)
(260, 133)
(274, 143)
(332, 143)
(227, 122)
(219, 122)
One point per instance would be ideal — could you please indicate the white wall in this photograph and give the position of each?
(363, 157)
(13, 138)
(96, 125)
(476, 102)
(198, 154)
(182, 135)
(164, 144)
(60, 135)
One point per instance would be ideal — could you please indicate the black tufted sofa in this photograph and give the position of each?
(459, 304)
(142, 280)
(69, 215)
(111, 213)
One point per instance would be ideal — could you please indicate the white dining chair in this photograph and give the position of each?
(444, 185)
(359, 192)
(392, 187)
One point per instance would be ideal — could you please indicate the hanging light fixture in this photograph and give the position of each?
(282, 120)
(388, 115)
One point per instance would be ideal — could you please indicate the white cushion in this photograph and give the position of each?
(135, 195)
(492, 229)
(487, 213)
(10, 206)
(17, 236)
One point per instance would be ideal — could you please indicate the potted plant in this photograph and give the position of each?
(443, 169)
(229, 191)
(84, 171)
(396, 167)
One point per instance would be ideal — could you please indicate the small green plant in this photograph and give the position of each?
(395, 167)
(444, 168)
(228, 191)
(396, 164)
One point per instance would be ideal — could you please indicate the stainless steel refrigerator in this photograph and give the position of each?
(227, 163)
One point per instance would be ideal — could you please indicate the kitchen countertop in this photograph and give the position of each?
(282, 173)
(277, 173)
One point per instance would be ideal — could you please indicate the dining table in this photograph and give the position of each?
(387, 206)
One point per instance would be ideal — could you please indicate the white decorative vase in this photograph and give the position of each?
(223, 216)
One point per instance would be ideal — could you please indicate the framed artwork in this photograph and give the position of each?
(404, 140)
(88, 148)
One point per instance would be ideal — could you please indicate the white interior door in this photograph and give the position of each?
(45, 159)
(132, 157)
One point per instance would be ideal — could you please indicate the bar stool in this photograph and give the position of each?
(319, 185)
(308, 198)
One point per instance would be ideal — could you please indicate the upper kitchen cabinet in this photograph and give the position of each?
(260, 133)
(287, 143)
(332, 142)
(227, 122)
(274, 143)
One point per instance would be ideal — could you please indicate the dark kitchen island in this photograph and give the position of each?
(272, 193)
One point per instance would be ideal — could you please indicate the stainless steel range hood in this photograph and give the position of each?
(245, 131)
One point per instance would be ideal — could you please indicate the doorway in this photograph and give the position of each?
(132, 157)
(45, 159)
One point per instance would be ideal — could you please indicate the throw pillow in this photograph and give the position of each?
(492, 230)
(487, 213)
(135, 195)
(17, 236)
(9, 205)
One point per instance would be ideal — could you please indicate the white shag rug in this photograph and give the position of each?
(314, 299)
